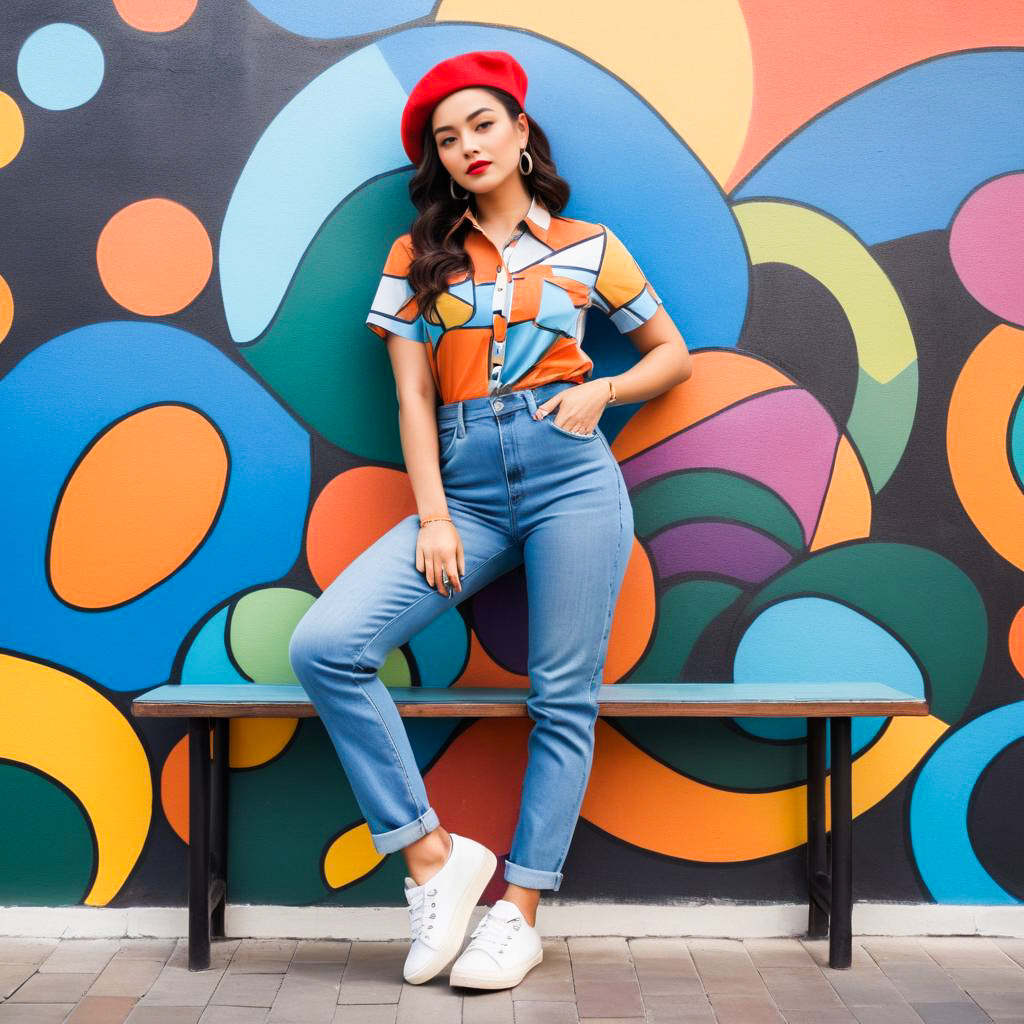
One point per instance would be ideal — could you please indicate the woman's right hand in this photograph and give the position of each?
(438, 546)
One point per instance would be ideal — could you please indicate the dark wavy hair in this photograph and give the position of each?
(439, 252)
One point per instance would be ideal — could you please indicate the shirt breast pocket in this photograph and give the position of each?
(561, 303)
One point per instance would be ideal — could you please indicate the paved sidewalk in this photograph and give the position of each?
(596, 980)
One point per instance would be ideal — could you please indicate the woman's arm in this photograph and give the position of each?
(438, 545)
(417, 423)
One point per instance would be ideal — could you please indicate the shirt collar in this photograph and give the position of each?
(537, 219)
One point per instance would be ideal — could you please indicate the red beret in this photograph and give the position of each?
(479, 67)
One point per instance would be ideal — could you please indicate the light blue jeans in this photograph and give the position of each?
(519, 491)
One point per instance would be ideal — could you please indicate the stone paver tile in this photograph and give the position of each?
(797, 988)
(262, 950)
(598, 949)
(164, 1015)
(899, 949)
(923, 983)
(1000, 979)
(898, 1013)
(247, 990)
(1001, 1005)
(540, 1011)
(611, 1020)
(146, 949)
(726, 969)
(16, 950)
(53, 988)
(178, 986)
(80, 956)
(694, 1008)
(744, 1008)
(830, 1016)
(308, 994)
(1013, 948)
(616, 997)
(551, 980)
(373, 972)
(102, 1010)
(950, 1013)
(221, 952)
(859, 988)
(777, 953)
(664, 966)
(126, 977)
(326, 951)
(234, 1015)
(433, 1002)
(13, 976)
(366, 1013)
(480, 1006)
(34, 1013)
(965, 951)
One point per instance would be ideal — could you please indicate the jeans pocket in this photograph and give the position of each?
(550, 419)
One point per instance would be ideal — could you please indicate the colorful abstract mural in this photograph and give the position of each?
(199, 433)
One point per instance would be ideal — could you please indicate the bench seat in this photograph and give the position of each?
(210, 707)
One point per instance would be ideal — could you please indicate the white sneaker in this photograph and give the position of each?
(440, 909)
(504, 948)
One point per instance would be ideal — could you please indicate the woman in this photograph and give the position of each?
(481, 307)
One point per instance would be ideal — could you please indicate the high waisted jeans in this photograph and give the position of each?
(519, 491)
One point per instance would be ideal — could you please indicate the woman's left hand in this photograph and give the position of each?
(580, 406)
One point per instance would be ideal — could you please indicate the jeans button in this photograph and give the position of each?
(499, 405)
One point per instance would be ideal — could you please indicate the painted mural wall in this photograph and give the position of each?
(199, 432)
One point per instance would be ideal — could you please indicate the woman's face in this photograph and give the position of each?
(471, 126)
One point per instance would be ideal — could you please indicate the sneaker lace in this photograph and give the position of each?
(420, 923)
(494, 932)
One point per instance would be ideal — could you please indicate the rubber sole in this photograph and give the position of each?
(493, 979)
(460, 922)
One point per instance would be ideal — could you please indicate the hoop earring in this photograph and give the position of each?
(451, 188)
(529, 170)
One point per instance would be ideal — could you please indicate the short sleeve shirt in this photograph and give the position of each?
(516, 320)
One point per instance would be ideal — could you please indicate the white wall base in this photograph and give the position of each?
(720, 920)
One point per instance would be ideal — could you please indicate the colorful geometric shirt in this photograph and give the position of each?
(516, 320)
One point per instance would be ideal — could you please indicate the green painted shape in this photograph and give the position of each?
(684, 612)
(878, 421)
(47, 855)
(714, 494)
(923, 599)
(318, 355)
(283, 817)
(260, 628)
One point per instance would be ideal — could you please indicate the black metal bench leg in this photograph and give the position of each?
(219, 825)
(199, 844)
(841, 933)
(818, 881)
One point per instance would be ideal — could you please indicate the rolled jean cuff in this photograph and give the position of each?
(530, 878)
(396, 839)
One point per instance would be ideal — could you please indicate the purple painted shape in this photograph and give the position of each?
(783, 439)
(728, 549)
(986, 246)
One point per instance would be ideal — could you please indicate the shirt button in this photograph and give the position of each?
(499, 405)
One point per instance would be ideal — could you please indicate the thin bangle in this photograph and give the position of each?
(611, 390)
(434, 519)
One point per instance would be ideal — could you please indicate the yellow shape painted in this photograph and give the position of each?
(256, 741)
(62, 727)
(668, 53)
(350, 856)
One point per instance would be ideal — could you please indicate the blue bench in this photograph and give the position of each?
(209, 708)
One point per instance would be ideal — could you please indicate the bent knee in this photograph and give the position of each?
(315, 645)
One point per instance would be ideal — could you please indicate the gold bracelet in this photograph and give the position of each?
(434, 519)
(611, 390)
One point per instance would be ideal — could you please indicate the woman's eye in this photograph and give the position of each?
(483, 123)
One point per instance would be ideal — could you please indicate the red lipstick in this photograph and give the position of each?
(479, 167)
